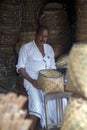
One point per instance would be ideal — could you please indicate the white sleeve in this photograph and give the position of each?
(22, 58)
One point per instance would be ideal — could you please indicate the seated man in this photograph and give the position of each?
(33, 57)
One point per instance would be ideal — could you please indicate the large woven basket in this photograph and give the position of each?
(50, 81)
(77, 70)
(81, 22)
(75, 114)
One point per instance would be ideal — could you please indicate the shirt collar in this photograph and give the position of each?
(36, 45)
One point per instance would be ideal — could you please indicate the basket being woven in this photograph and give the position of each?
(50, 81)
(75, 114)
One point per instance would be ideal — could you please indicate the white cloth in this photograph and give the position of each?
(32, 60)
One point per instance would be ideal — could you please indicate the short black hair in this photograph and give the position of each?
(40, 28)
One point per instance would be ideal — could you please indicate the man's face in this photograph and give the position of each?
(42, 37)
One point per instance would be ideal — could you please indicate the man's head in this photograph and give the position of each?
(41, 34)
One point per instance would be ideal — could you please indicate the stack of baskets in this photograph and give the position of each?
(10, 25)
(30, 12)
(50, 81)
(81, 23)
(29, 21)
(75, 116)
(56, 18)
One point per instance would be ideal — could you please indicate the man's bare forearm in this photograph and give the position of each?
(25, 75)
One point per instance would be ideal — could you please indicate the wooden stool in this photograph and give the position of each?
(58, 97)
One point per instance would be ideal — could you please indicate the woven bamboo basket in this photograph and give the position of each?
(25, 37)
(81, 23)
(75, 117)
(59, 40)
(62, 61)
(50, 81)
(30, 14)
(59, 36)
(10, 18)
(81, 34)
(77, 70)
(8, 39)
(53, 6)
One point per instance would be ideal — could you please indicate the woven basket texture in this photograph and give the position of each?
(75, 117)
(81, 22)
(10, 17)
(77, 70)
(25, 37)
(30, 13)
(59, 39)
(62, 61)
(53, 6)
(59, 36)
(81, 34)
(50, 81)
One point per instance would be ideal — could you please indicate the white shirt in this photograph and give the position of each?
(32, 60)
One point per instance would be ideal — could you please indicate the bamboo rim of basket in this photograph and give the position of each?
(48, 71)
